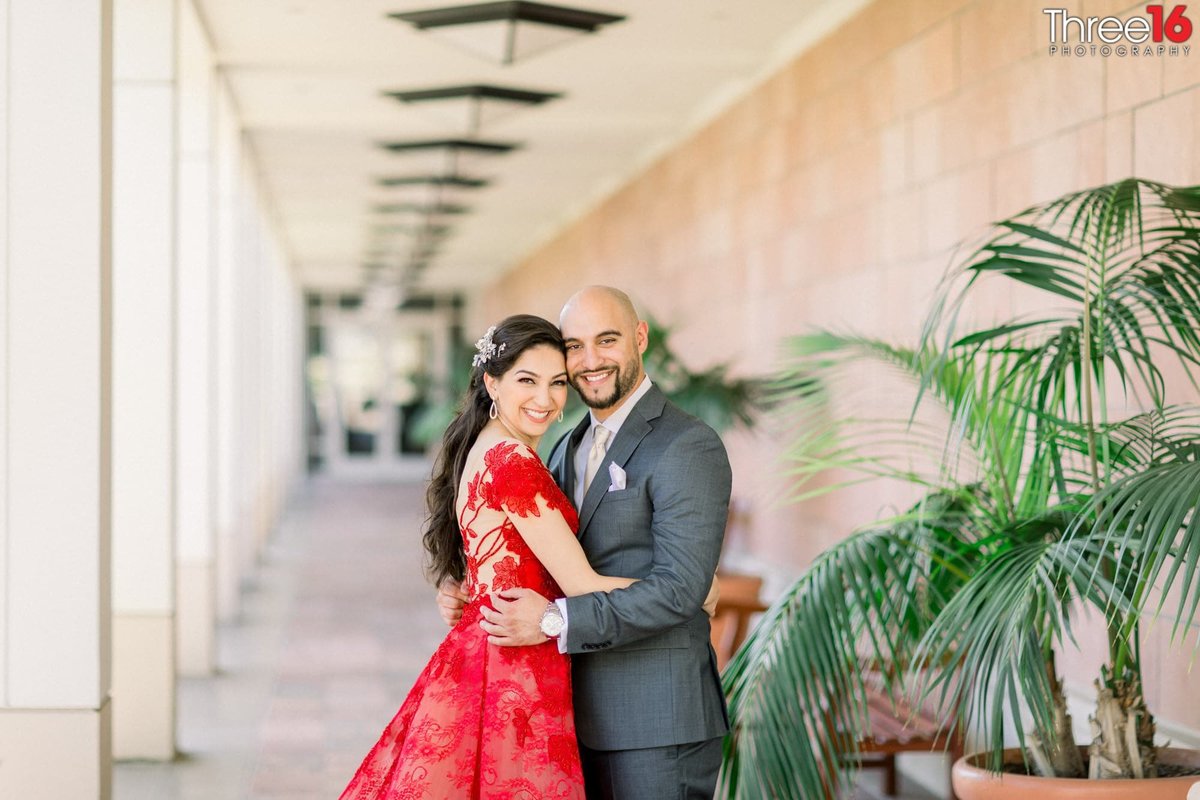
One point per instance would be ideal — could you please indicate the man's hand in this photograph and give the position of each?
(517, 620)
(450, 599)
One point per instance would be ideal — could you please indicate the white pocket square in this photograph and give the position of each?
(616, 477)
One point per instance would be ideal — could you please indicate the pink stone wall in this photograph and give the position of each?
(832, 193)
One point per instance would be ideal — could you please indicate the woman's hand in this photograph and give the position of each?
(714, 597)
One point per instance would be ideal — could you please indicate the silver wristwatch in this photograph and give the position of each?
(552, 623)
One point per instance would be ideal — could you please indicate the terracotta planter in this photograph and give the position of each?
(975, 783)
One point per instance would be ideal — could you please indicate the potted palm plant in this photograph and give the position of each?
(1061, 473)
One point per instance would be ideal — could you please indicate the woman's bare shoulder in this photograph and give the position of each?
(489, 440)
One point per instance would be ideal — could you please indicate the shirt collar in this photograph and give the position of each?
(614, 422)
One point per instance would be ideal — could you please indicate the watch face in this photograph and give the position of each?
(552, 624)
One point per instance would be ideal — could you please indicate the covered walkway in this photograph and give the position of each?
(334, 629)
(238, 252)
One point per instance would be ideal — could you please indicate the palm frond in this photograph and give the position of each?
(1147, 523)
(714, 395)
(997, 630)
(984, 431)
(1126, 255)
(796, 690)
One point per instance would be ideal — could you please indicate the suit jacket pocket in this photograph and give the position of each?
(672, 639)
(621, 495)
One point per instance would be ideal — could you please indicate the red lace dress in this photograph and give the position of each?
(484, 721)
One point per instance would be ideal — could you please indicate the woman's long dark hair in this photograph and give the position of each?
(443, 542)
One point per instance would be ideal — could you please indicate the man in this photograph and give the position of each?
(652, 488)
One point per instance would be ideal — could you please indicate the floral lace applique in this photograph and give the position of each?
(518, 478)
(506, 574)
(486, 722)
(512, 480)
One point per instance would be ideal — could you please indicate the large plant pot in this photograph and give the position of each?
(973, 782)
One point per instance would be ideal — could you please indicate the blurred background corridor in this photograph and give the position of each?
(247, 247)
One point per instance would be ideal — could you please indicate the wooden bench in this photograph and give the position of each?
(739, 601)
(900, 730)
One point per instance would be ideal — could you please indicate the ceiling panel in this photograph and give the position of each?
(309, 78)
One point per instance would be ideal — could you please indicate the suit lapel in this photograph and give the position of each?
(636, 426)
(563, 469)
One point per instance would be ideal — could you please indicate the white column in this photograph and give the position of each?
(246, 312)
(249, 402)
(195, 557)
(329, 409)
(258, 318)
(290, 427)
(386, 439)
(439, 350)
(227, 160)
(285, 398)
(144, 145)
(55, 161)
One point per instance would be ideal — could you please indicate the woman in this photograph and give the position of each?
(485, 721)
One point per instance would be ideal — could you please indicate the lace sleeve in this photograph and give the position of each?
(518, 478)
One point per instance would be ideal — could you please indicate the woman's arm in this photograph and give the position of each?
(551, 540)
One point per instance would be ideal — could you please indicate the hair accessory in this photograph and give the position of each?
(486, 348)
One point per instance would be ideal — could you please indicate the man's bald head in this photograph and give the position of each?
(603, 297)
(605, 341)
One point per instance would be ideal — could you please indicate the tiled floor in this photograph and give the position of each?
(334, 629)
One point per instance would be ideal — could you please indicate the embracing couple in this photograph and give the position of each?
(607, 554)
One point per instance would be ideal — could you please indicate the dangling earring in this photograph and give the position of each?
(492, 413)
(561, 414)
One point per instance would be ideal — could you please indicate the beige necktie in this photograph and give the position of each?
(596, 455)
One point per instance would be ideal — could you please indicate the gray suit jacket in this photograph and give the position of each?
(643, 670)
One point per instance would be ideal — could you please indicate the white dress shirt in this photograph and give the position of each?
(613, 423)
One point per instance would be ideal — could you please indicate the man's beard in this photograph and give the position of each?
(626, 378)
